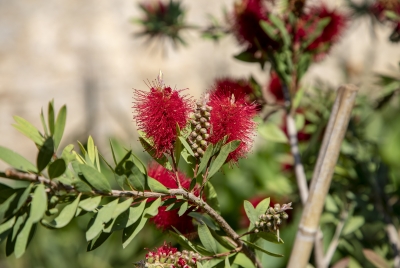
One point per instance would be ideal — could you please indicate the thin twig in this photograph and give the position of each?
(175, 167)
(219, 255)
(335, 240)
(14, 174)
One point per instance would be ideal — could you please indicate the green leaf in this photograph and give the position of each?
(211, 197)
(246, 56)
(51, 117)
(137, 179)
(177, 146)
(104, 215)
(183, 208)
(39, 204)
(28, 130)
(270, 237)
(130, 233)
(90, 204)
(186, 145)
(322, 23)
(119, 169)
(11, 239)
(113, 153)
(68, 154)
(57, 168)
(122, 207)
(174, 205)
(269, 30)
(262, 206)
(135, 212)
(22, 239)
(90, 149)
(222, 156)
(163, 161)
(261, 249)
(95, 178)
(204, 219)
(250, 211)
(44, 123)
(15, 160)
(182, 240)
(60, 126)
(8, 206)
(227, 264)
(206, 157)
(22, 199)
(82, 148)
(45, 154)
(140, 165)
(282, 29)
(206, 238)
(5, 228)
(65, 216)
(152, 210)
(353, 224)
(97, 241)
(272, 132)
(156, 186)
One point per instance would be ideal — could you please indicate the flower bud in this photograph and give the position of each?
(200, 151)
(198, 127)
(193, 134)
(199, 138)
(203, 143)
(194, 146)
(203, 131)
(207, 125)
(197, 115)
(206, 136)
(203, 120)
(207, 114)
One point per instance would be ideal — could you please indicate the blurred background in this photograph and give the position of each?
(85, 54)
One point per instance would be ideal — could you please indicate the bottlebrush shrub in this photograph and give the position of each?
(65, 183)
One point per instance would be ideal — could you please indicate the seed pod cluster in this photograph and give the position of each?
(200, 129)
(272, 218)
(184, 259)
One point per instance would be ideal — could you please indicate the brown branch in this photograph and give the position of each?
(335, 240)
(14, 174)
(329, 154)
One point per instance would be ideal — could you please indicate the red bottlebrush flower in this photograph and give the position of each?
(246, 27)
(275, 87)
(164, 220)
(331, 32)
(231, 115)
(158, 112)
(168, 256)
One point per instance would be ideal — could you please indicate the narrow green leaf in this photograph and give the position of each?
(122, 207)
(8, 206)
(182, 240)
(68, 154)
(11, 239)
(130, 232)
(57, 168)
(353, 224)
(5, 228)
(39, 203)
(186, 145)
(183, 208)
(206, 238)
(44, 123)
(113, 152)
(90, 204)
(250, 211)
(156, 186)
(152, 210)
(28, 130)
(211, 197)
(97, 241)
(50, 117)
(206, 157)
(22, 199)
(227, 264)
(90, 149)
(95, 178)
(151, 151)
(96, 158)
(104, 215)
(15, 160)
(204, 219)
(140, 165)
(270, 237)
(282, 29)
(177, 147)
(45, 154)
(261, 249)
(60, 126)
(262, 206)
(137, 179)
(225, 241)
(222, 156)
(22, 239)
(272, 132)
(135, 212)
(65, 216)
(82, 148)
(269, 30)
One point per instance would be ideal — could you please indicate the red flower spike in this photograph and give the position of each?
(164, 220)
(246, 27)
(331, 32)
(228, 86)
(158, 112)
(231, 115)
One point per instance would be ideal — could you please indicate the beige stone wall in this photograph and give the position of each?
(84, 54)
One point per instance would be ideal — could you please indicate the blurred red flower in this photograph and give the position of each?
(275, 87)
(158, 112)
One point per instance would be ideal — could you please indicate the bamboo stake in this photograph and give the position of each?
(323, 172)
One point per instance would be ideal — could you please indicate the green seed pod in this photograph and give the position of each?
(207, 125)
(200, 151)
(197, 115)
(194, 146)
(207, 114)
(203, 143)
(199, 138)
(193, 134)
(198, 127)
(206, 136)
(203, 131)
(203, 120)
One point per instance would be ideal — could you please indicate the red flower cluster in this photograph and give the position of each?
(246, 27)
(379, 8)
(240, 87)
(164, 220)
(157, 114)
(232, 115)
(168, 256)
